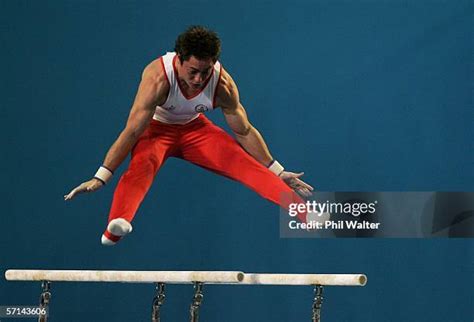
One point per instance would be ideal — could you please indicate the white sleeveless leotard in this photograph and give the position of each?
(181, 109)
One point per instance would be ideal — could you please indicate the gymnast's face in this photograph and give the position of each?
(194, 72)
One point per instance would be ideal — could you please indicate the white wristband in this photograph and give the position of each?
(276, 167)
(104, 174)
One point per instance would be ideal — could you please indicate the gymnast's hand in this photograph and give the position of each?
(294, 182)
(88, 186)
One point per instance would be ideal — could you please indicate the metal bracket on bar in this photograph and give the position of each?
(317, 303)
(158, 301)
(196, 302)
(44, 301)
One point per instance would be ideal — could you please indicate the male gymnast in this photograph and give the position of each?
(167, 120)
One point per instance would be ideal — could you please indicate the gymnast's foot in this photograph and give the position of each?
(116, 229)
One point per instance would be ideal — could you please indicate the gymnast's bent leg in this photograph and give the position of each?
(210, 147)
(149, 153)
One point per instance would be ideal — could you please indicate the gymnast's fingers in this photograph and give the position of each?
(79, 189)
(304, 185)
(304, 192)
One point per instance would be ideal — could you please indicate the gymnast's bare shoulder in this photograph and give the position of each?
(227, 96)
(155, 74)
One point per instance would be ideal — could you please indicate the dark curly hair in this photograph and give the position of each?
(199, 42)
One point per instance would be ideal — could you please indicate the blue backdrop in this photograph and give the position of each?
(361, 95)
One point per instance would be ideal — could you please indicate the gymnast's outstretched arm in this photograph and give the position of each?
(152, 91)
(250, 138)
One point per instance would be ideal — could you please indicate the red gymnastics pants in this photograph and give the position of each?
(202, 143)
